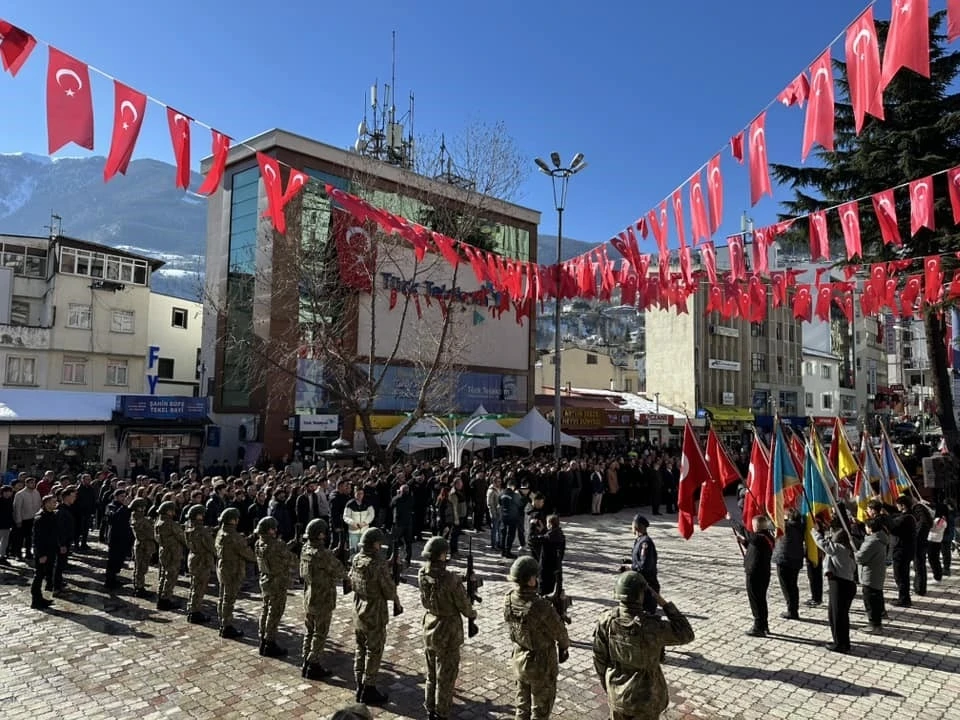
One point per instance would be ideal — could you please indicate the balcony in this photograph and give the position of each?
(24, 337)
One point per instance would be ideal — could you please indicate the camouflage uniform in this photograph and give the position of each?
(444, 597)
(321, 571)
(537, 633)
(373, 588)
(233, 554)
(627, 651)
(274, 560)
(144, 544)
(172, 541)
(200, 561)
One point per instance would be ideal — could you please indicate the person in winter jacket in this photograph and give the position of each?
(788, 557)
(872, 559)
(756, 566)
(358, 515)
(6, 521)
(45, 543)
(840, 569)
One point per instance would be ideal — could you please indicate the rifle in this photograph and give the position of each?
(561, 602)
(474, 583)
(341, 552)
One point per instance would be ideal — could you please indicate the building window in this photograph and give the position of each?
(121, 321)
(758, 329)
(628, 385)
(856, 337)
(779, 364)
(78, 316)
(779, 331)
(19, 312)
(808, 368)
(808, 399)
(74, 261)
(791, 333)
(758, 362)
(791, 367)
(826, 401)
(179, 318)
(21, 370)
(591, 359)
(165, 368)
(74, 371)
(117, 372)
(825, 372)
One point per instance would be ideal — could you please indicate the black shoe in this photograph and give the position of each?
(40, 604)
(197, 618)
(833, 647)
(271, 649)
(315, 671)
(164, 604)
(902, 603)
(359, 695)
(431, 715)
(510, 556)
(813, 603)
(304, 668)
(230, 633)
(141, 593)
(371, 696)
(262, 650)
(790, 616)
(756, 632)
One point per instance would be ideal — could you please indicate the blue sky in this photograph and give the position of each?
(648, 91)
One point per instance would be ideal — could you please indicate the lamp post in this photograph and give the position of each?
(560, 176)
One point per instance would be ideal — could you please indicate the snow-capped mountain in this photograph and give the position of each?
(141, 212)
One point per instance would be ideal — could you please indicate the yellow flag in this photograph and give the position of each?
(847, 465)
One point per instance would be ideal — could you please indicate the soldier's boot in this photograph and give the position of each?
(432, 715)
(230, 633)
(141, 593)
(371, 696)
(304, 668)
(359, 688)
(197, 618)
(164, 604)
(271, 649)
(263, 647)
(315, 671)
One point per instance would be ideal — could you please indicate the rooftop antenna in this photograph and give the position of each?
(384, 138)
(55, 228)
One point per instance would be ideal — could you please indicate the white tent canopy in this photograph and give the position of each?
(410, 443)
(489, 427)
(537, 431)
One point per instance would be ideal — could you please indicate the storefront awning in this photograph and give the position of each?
(729, 414)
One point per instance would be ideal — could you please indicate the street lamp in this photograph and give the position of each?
(561, 177)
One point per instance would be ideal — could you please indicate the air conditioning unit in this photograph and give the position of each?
(248, 430)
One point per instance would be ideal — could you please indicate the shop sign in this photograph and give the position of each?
(728, 398)
(723, 365)
(319, 423)
(579, 418)
(652, 419)
(161, 407)
(725, 331)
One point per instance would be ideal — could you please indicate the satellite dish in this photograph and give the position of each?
(362, 127)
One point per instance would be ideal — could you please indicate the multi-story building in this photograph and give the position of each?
(735, 371)
(593, 368)
(821, 385)
(81, 335)
(908, 367)
(266, 404)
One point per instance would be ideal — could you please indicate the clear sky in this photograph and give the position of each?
(647, 90)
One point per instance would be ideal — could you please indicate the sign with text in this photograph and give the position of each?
(723, 365)
(318, 423)
(161, 407)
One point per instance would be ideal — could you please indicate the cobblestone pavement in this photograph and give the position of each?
(95, 655)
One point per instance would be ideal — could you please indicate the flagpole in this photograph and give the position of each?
(896, 458)
(833, 500)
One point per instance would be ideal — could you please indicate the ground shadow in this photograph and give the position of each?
(100, 624)
(799, 678)
(911, 658)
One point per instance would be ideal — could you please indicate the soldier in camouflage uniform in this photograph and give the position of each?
(274, 560)
(539, 638)
(172, 542)
(445, 600)
(200, 562)
(144, 544)
(372, 589)
(321, 571)
(628, 648)
(233, 554)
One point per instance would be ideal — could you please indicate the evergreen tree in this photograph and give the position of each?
(920, 135)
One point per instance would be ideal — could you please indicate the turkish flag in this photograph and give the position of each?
(736, 147)
(819, 237)
(759, 172)
(179, 125)
(657, 219)
(796, 93)
(738, 260)
(15, 47)
(69, 103)
(909, 296)
(932, 279)
(953, 20)
(908, 41)
(824, 298)
(803, 304)
(722, 468)
(693, 473)
(757, 483)
(270, 172)
(356, 251)
(221, 147)
(863, 68)
(715, 193)
(708, 256)
(698, 209)
(295, 183)
(885, 208)
(818, 124)
(921, 205)
(850, 222)
(953, 185)
(129, 107)
(677, 201)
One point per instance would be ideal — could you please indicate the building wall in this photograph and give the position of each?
(815, 366)
(176, 328)
(671, 342)
(591, 369)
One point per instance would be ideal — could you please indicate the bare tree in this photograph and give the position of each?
(364, 302)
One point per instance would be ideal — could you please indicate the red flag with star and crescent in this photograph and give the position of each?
(698, 209)
(818, 124)
(129, 107)
(69, 103)
(715, 193)
(759, 171)
(221, 148)
(693, 473)
(179, 125)
(863, 68)
(953, 187)
(850, 222)
(15, 47)
(885, 208)
(908, 40)
(921, 205)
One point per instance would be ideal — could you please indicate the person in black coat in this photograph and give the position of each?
(788, 557)
(46, 545)
(119, 537)
(903, 526)
(66, 529)
(553, 545)
(756, 566)
(83, 510)
(402, 510)
(643, 560)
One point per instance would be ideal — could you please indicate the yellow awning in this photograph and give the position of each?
(729, 414)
